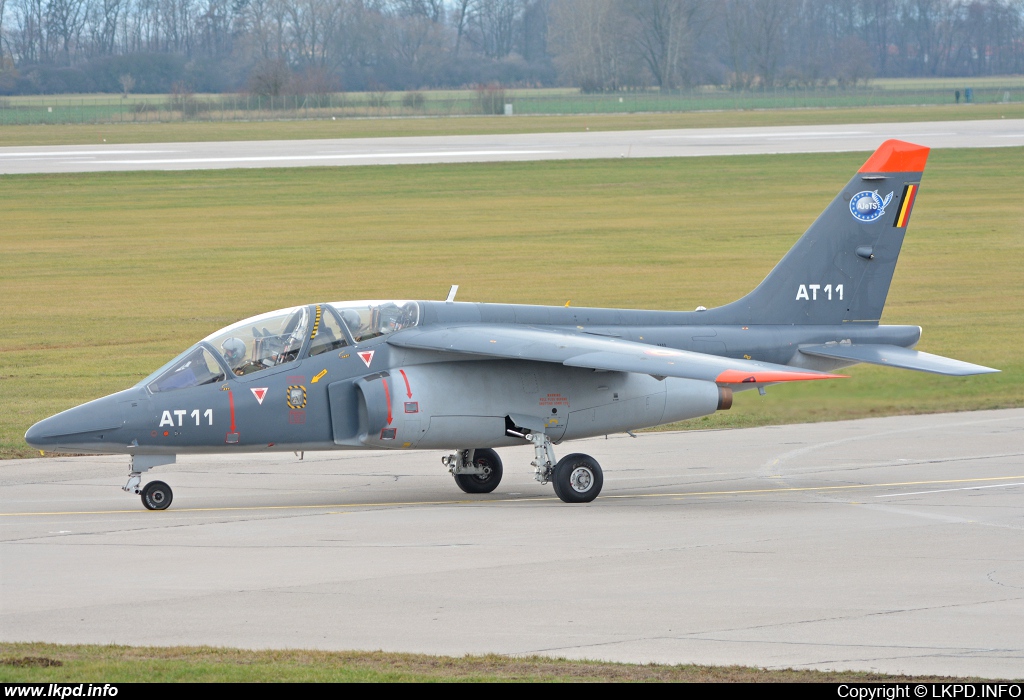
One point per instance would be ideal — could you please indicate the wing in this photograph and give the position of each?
(895, 356)
(599, 353)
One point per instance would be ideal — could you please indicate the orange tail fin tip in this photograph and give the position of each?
(896, 156)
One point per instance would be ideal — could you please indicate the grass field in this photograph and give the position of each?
(68, 134)
(107, 108)
(106, 276)
(38, 663)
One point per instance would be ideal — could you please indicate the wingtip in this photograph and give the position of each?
(895, 156)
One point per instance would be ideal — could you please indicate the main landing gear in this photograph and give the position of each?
(577, 478)
(475, 471)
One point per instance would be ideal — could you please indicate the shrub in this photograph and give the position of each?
(413, 99)
(491, 98)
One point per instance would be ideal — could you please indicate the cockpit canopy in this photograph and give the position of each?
(280, 337)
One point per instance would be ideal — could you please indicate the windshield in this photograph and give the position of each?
(264, 341)
(194, 368)
(276, 338)
(369, 319)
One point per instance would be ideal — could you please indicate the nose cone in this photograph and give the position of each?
(83, 428)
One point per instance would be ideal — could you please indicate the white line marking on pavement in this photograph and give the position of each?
(965, 488)
(334, 156)
(759, 135)
(58, 154)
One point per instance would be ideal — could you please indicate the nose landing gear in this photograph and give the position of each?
(156, 495)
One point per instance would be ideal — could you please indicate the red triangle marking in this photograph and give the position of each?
(367, 356)
(260, 394)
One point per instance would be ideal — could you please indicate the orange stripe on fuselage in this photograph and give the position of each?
(738, 376)
(387, 398)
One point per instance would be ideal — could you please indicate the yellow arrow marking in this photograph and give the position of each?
(318, 377)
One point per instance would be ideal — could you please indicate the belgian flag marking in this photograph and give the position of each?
(906, 204)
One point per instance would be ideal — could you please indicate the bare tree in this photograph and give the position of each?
(3, 5)
(584, 36)
(736, 29)
(663, 33)
(768, 24)
(533, 41)
(270, 78)
(104, 16)
(65, 20)
(494, 22)
(879, 20)
(5, 47)
(596, 44)
(416, 43)
(302, 26)
(460, 19)
(433, 10)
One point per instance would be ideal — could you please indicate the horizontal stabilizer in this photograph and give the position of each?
(516, 342)
(895, 356)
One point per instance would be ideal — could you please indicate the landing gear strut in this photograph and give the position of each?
(577, 478)
(543, 457)
(475, 471)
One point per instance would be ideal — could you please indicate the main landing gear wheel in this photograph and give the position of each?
(577, 478)
(489, 461)
(156, 495)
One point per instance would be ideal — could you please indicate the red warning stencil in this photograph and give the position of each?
(366, 357)
(259, 393)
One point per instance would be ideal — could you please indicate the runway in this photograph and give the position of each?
(890, 544)
(670, 143)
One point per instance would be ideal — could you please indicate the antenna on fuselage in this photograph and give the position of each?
(451, 294)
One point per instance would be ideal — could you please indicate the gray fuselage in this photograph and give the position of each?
(404, 398)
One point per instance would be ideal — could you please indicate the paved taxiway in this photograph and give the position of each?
(669, 143)
(894, 544)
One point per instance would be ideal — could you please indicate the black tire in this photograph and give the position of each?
(482, 483)
(558, 491)
(156, 495)
(578, 478)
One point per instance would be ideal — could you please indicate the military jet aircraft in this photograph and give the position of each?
(470, 377)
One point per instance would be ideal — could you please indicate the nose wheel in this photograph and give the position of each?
(156, 495)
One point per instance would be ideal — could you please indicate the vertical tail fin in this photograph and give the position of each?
(840, 269)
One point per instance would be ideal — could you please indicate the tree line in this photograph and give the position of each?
(276, 47)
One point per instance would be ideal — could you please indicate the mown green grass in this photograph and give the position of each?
(883, 84)
(105, 108)
(71, 134)
(37, 663)
(104, 277)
